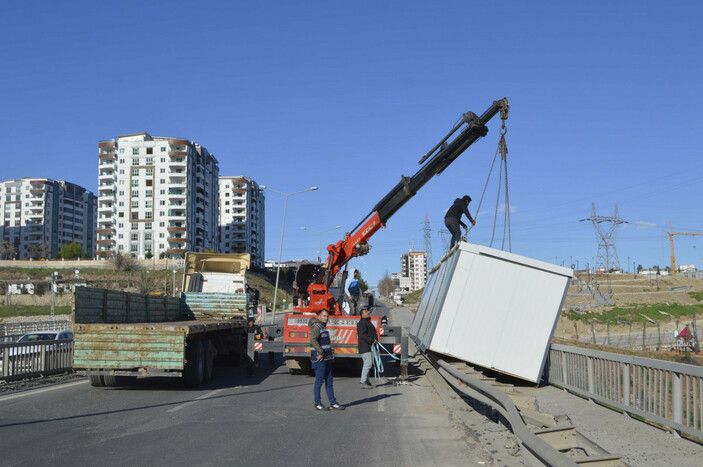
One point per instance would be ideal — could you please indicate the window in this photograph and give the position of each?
(135, 172)
(149, 151)
(121, 204)
(121, 226)
(149, 172)
(148, 215)
(149, 182)
(135, 161)
(147, 226)
(163, 180)
(135, 226)
(135, 183)
(121, 182)
(121, 193)
(163, 159)
(135, 151)
(149, 193)
(163, 171)
(135, 204)
(162, 224)
(161, 213)
(226, 211)
(162, 203)
(134, 248)
(120, 214)
(120, 236)
(135, 193)
(121, 161)
(162, 192)
(161, 235)
(135, 236)
(148, 204)
(135, 216)
(163, 149)
(121, 150)
(227, 195)
(147, 237)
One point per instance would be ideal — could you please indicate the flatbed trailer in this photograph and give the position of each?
(119, 336)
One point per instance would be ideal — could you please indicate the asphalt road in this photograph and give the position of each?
(264, 420)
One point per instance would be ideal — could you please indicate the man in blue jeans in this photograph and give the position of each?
(322, 356)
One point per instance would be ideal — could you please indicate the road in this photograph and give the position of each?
(263, 420)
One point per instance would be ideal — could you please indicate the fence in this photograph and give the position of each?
(17, 329)
(35, 358)
(664, 392)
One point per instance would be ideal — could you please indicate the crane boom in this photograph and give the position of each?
(313, 285)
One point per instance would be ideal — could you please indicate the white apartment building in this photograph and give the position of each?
(414, 266)
(242, 216)
(39, 215)
(156, 197)
(400, 283)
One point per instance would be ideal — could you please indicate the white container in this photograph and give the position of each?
(491, 308)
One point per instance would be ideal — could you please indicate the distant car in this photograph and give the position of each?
(43, 336)
(26, 357)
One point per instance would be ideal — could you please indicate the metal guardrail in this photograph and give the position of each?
(664, 392)
(497, 399)
(33, 326)
(35, 358)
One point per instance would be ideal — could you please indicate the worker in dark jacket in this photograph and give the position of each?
(453, 218)
(367, 336)
(322, 356)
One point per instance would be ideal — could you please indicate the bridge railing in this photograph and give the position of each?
(21, 360)
(667, 393)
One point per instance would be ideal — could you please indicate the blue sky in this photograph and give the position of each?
(347, 96)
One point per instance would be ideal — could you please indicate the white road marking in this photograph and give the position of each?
(186, 404)
(39, 391)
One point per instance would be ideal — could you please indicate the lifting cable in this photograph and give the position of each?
(502, 173)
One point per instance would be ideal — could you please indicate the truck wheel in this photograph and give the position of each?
(209, 356)
(195, 365)
(96, 381)
(112, 381)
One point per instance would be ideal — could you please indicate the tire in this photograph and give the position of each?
(112, 381)
(96, 381)
(195, 364)
(208, 364)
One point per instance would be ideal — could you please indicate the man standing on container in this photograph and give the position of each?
(366, 336)
(352, 288)
(322, 356)
(453, 218)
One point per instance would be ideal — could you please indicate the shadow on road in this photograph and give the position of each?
(372, 399)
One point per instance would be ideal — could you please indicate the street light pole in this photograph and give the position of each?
(319, 252)
(280, 250)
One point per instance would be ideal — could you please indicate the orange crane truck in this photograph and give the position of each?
(314, 291)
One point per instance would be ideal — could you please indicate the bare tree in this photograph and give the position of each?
(385, 285)
(38, 250)
(148, 282)
(7, 250)
(124, 262)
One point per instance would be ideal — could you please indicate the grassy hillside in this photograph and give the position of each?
(265, 286)
(413, 298)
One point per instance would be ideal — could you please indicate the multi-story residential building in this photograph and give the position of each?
(39, 215)
(156, 197)
(400, 283)
(242, 215)
(414, 266)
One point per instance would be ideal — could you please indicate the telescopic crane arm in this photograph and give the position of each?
(470, 128)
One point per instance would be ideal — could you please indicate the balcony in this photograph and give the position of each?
(176, 192)
(106, 194)
(176, 229)
(37, 190)
(106, 155)
(105, 231)
(181, 153)
(175, 250)
(177, 240)
(176, 213)
(105, 242)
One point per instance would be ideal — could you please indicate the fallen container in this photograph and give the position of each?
(491, 308)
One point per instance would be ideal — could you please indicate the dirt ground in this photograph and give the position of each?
(627, 289)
